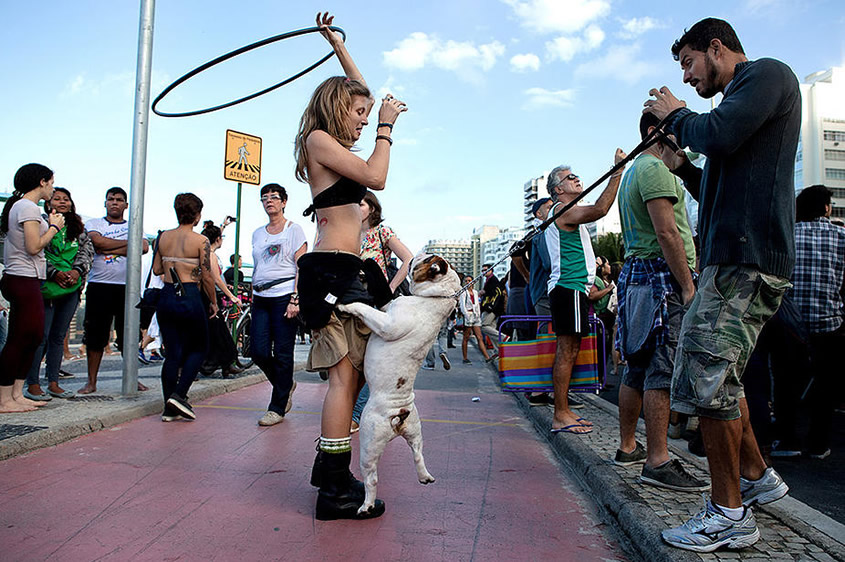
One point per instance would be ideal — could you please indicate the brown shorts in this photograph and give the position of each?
(344, 336)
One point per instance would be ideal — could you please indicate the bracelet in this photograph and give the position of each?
(54, 226)
(388, 125)
(385, 137)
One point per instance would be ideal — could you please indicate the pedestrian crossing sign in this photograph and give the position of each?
(243, 158)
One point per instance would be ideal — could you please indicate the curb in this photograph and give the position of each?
(640, 526)
(136, 407)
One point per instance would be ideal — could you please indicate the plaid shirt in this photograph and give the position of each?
(654, 272)
(818, 276)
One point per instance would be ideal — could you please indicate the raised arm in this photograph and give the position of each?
(588, 213)
(33, 240)
(335, 39)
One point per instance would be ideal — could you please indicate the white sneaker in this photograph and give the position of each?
(712, 529)
(445, 359)
(768, 488)
(270, 418)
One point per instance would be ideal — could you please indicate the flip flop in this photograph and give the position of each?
(65, 394)
(588, 424)
(568, 429)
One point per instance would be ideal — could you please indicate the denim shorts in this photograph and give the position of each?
(718, 334)
(653, 371)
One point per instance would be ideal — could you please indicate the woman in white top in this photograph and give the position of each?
(27, 234)
(471, 310)
(275, 303)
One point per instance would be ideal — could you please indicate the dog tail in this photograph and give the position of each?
(397, 420)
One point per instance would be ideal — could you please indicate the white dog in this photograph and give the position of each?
(401, 336)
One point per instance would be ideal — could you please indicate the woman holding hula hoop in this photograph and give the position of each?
(330, 126)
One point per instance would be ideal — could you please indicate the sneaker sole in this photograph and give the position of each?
(446, 363)
(169, 418)
(183, 411)
(767, 497)
(730, 542)
(628, 463)
(659, 484)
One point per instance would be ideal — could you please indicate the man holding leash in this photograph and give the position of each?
(746, 221)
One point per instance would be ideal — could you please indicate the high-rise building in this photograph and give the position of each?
(821, 148)
(480, 236)
(532, 190)
(457, 252)
(497, 248)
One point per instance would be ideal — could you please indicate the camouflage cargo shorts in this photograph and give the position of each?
(718, 335)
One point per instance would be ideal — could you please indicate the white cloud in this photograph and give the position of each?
(620, 62)
(565, 48)
(634, 27)
(524, 63)
(420, 49)
(558, 16)
(541, 97)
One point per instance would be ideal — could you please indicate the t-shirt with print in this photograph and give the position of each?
(273, 258)
(371, 245)
(108, 268)
(18, 261)
(646, 180)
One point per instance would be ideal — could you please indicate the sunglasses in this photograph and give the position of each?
(271, 197)
(570, 177)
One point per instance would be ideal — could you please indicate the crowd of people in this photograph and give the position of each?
(688, 321)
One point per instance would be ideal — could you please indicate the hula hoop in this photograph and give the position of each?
(233, 54)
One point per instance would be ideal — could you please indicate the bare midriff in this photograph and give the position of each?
(339, 228)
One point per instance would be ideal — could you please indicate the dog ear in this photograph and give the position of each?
(429, 268)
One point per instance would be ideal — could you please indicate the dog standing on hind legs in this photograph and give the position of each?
(401, 335)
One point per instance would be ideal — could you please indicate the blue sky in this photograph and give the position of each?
(499, 91)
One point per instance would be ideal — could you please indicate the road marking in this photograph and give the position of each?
(456, 422)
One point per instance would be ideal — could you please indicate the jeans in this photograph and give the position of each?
(363, 396)
(432, 355)
(184, 332)
(272, 341)
(58, 313)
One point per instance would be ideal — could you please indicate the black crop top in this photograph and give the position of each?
(342, 192)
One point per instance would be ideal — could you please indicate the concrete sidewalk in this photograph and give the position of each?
(790, 529)
(61, 420)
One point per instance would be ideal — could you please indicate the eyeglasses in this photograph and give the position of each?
(570, 177)
(271, 197)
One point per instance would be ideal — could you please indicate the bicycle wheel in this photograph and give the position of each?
(244, 359)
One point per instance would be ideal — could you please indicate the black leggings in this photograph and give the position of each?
(26, 326)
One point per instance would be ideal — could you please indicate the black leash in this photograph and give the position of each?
(657, 134)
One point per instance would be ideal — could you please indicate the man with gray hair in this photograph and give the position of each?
(573, 270)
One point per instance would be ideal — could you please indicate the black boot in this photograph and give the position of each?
(338, 498)
(318, 470)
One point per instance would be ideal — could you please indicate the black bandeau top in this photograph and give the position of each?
(342, 192)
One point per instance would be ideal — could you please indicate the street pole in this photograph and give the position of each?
(236, 275)
(132, 317)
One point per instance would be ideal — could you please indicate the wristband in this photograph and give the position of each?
(54, 226)
(388, 125)
(385, 137)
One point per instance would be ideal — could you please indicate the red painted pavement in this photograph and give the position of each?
(221, 488)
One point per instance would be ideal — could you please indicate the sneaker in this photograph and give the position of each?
(65, 375)
(820, 456)
(492, 356)
(712, 529)
(674, 431)
(672, 475)
(768, 488)
(573, 403)
(637, 456)
(783, 450)
(155, 356)
(142, 358)
(181, 405)
(290, 398)
(427, 367)
(467, 362)
(169, 418)
(270, 418)
(544, 399)
(446, 363)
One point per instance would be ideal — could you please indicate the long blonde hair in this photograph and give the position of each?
(327, 112)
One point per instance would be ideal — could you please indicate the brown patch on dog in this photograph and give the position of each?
(429, 268)
(397, 420)
(401, 382)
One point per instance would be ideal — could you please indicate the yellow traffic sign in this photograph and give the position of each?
(243, 158)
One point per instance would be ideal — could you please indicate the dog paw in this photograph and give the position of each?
(427, 480)
(342, 308)
(365, 509)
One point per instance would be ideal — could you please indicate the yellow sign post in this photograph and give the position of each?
(243, 158)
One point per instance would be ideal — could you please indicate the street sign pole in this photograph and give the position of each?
(132, 318)
(236, 275)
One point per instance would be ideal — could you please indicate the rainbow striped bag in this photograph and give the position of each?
(526, 366)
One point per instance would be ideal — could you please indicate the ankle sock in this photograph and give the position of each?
(341, 445)
(734, 513)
